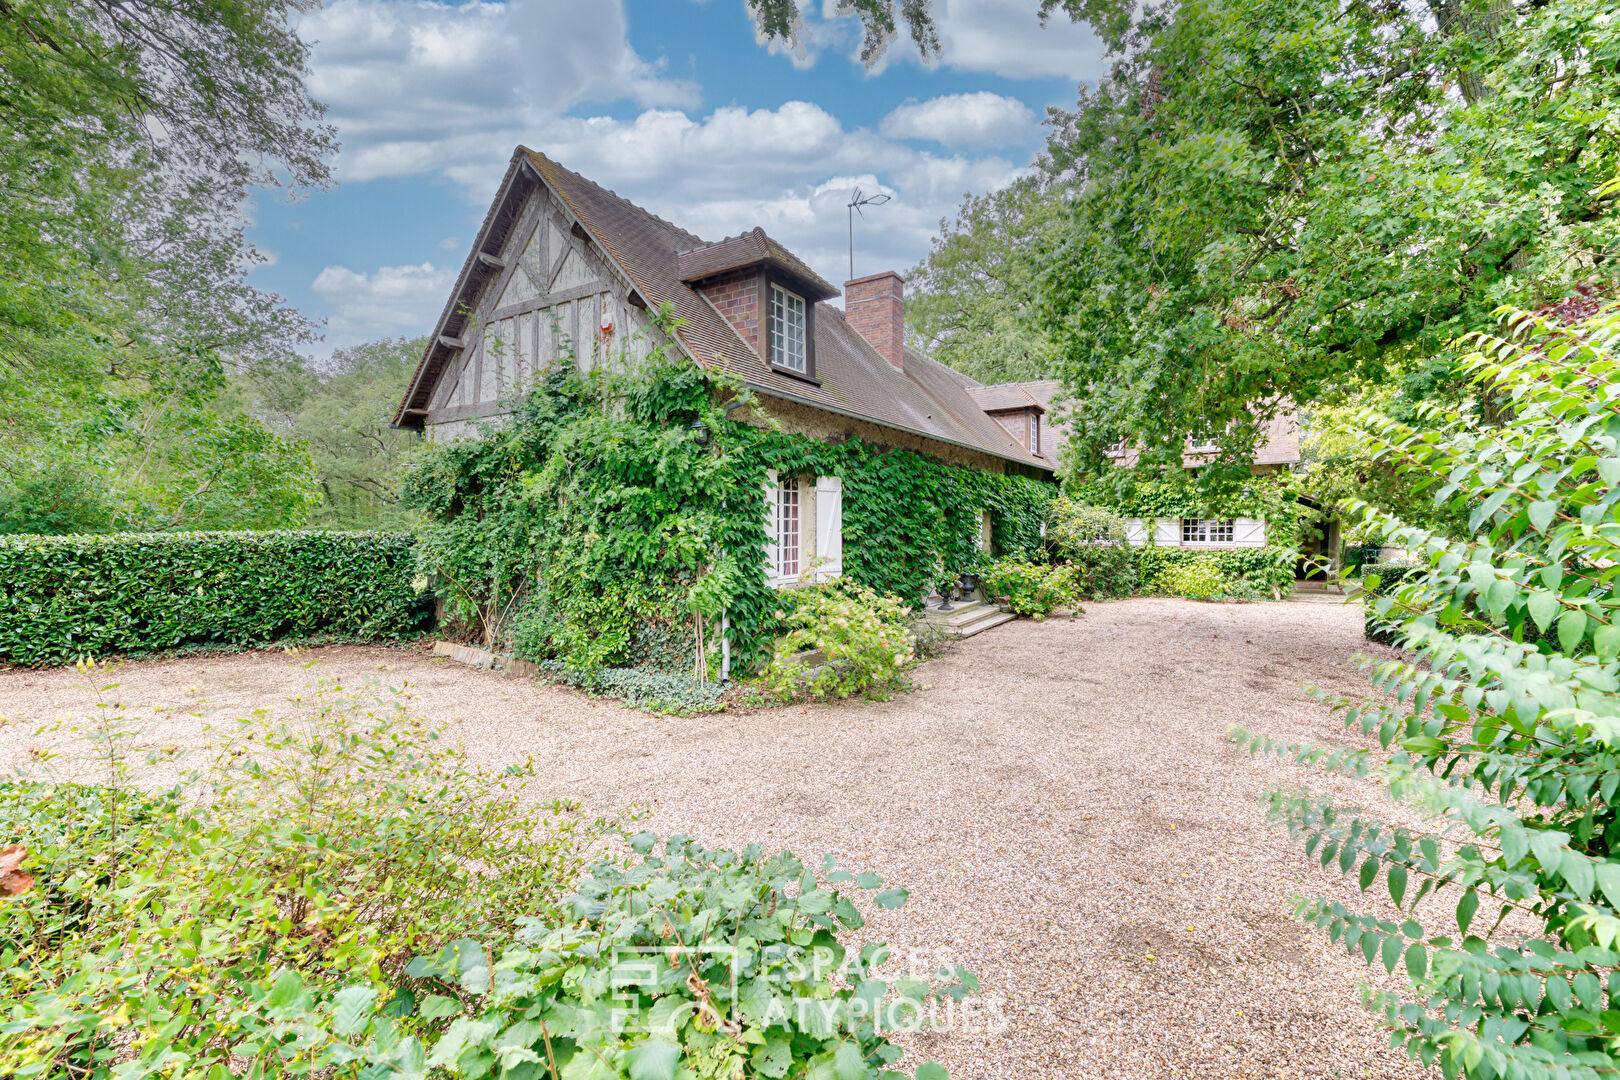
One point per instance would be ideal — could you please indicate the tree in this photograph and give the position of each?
(1496, 725)
(781, 20)
(342, 412)
(1272, 195)
(972, 302)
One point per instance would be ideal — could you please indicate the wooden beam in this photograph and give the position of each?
(451, 342)
(493, 262)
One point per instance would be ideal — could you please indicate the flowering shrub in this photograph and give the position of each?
(1507, 746)
(861, 637)
(1031, 588)
(1195, 579)
(1092, 541)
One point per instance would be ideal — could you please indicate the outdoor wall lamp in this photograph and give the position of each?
(701, 432)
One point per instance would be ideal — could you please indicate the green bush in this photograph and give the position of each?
(344, 897)
(1501, 753)
(695, 962)
(63, 597)
(1092, 541)
(1266, 571)
(861, 636)
(1030, 588)
(1195, 579)
(292, 876)
(1382, 579)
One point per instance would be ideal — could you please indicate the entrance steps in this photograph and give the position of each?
(966, 618)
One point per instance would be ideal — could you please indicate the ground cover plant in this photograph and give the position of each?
(341, 894)
(1510, 895)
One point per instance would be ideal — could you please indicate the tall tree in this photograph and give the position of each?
(1272, 193)
(971, 301)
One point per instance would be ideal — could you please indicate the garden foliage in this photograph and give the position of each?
(1091, 540)
(1249, 573)
(250, 919)
(1031, 588)
(1197, 578)
(1509, 898)
(859, 641)
(344, 896)
(63, 597)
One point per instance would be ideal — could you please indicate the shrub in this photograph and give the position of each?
(1092, 541)
(63, 597)
(1508, 749)
(1195, 579)
(861, 635)
(1268, 571)
(726, 963)
(1031, 588)
(280, 891)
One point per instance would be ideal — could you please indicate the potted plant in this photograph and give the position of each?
(1004, 603)
(970, 574)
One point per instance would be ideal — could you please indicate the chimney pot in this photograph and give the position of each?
(875, 306)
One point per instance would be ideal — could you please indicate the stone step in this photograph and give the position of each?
(987, 620)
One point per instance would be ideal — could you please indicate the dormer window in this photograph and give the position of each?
(787, 333)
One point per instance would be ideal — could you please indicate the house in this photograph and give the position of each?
(1024, 410)
(561, 266)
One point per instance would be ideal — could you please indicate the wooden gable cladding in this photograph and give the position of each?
(551, 292)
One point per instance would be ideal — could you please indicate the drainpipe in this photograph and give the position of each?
(725, 649)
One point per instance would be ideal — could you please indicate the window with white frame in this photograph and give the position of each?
(787, 330)
(1202, 445)
(787, 529)
(1206, 530)
(1034, 432)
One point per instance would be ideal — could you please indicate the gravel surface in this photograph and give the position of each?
(1059, 801)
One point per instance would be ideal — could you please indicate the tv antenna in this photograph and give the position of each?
(858, 200)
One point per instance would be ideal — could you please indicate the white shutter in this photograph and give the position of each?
(1136, 533)
(1167, 532)
(829, 526)
(1248, 532)
(771, 561)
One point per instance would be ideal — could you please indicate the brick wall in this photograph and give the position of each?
(875, 306)
(736, 296)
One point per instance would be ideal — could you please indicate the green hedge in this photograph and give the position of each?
(1266, 568)
(62, 597)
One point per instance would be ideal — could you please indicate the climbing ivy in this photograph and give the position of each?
(593, 527)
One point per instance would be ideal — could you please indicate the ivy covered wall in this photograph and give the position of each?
(592, 527)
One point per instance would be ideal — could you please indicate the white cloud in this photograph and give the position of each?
(418, 86)
(389, 302)
(974, 120)
(1005, 37)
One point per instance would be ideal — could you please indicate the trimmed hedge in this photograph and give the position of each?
(62, 597)
(1268, 569)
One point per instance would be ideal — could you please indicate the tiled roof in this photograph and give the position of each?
(851, 378)
(752, 248)
(1003, 397)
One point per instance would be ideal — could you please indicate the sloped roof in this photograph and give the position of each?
(752, 248)
(1004, 397)
(926, 399)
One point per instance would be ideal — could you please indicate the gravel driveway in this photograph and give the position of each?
(1058, 801)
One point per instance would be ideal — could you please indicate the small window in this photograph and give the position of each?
(787, 330)
(1206, 530)
(1034, 432)
(787, 529)
(1202, 445)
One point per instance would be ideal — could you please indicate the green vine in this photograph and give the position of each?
(594, 527)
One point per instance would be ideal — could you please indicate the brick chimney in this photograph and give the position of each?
(875, 306)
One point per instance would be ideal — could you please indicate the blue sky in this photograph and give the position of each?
(673, 104)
